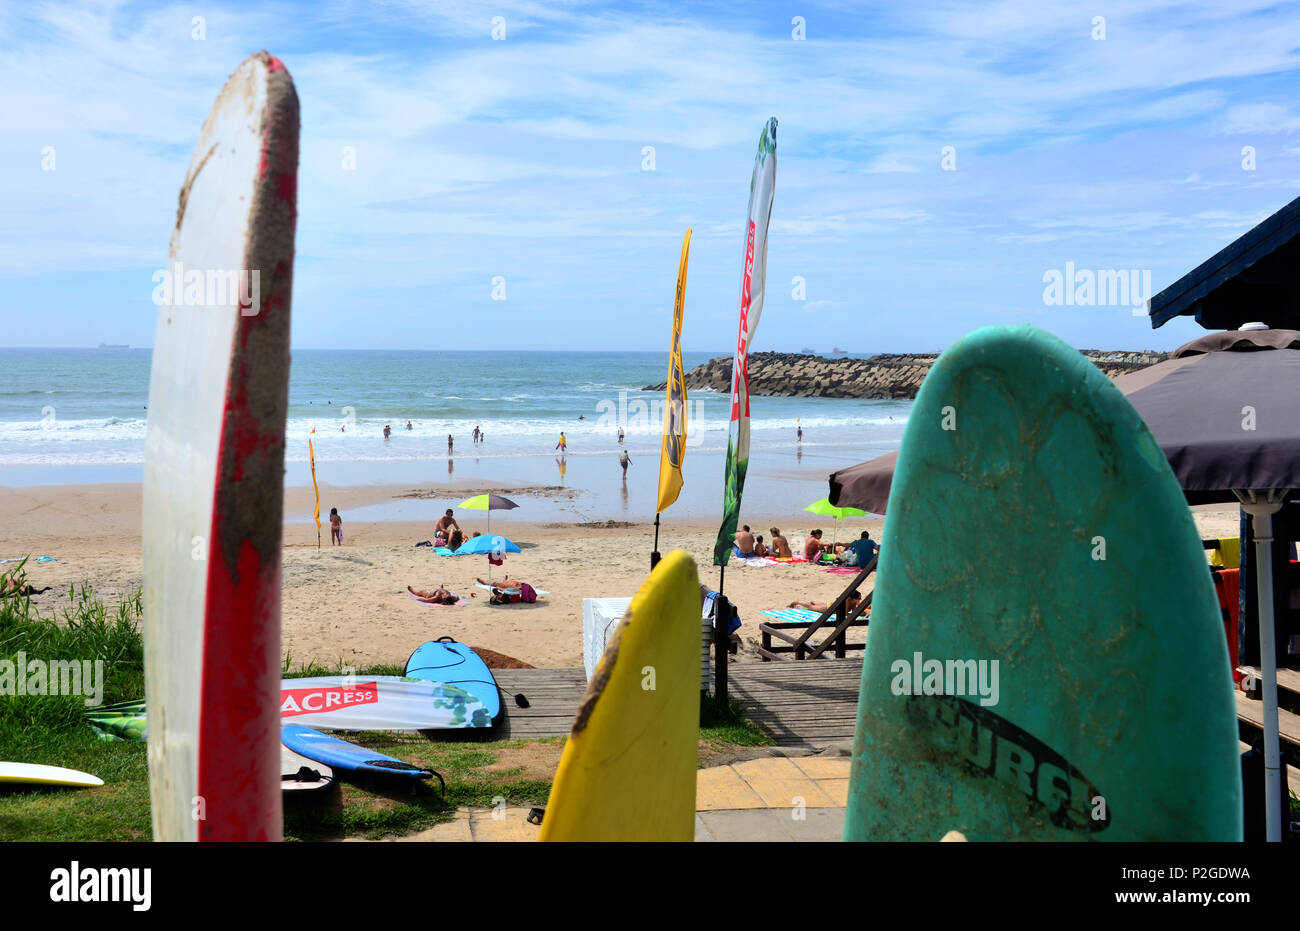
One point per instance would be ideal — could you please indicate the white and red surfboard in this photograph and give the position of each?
(379, 703)
(214, 471)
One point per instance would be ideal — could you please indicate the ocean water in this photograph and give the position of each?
(69, 416)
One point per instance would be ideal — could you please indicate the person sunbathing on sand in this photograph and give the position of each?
(500, 583)
(13, 587)
(780, 545)
(813, 546)
(760, 548)
(439, 596)
(820, 607)
(744, 543)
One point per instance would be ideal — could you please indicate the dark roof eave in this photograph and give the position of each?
(1185, 296)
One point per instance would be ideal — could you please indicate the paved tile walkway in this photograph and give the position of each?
(773, 799)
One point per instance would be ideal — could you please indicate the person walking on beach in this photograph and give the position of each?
(624, 459)
(336, 527)
(780, 545)
(563, 444)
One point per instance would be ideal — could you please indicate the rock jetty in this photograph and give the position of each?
(884, 376)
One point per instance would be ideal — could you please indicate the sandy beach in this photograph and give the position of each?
(350, 604)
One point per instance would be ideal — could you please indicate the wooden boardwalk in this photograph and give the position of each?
(553, 696)
(796, 703)
(812, 702)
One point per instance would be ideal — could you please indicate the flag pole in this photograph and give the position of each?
(672, 447)
(311, 457)
(761, 185)
(654, 554)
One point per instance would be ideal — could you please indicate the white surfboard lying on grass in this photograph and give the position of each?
(214, 471)
(38, 775)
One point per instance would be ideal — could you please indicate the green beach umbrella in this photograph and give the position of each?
(826, 509)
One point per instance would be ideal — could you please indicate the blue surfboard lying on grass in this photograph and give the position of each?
(451, 663)
(342, 756)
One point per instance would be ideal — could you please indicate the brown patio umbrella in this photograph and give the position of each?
(1224, 410)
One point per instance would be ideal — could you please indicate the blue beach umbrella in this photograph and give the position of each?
(487, 544)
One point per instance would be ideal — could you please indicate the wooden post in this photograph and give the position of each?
(720, 659)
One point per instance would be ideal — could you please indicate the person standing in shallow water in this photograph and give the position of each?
(563, 444)
(624, 459)
(450, 444)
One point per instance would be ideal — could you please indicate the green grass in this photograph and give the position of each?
(49, 729)
(729, 725)
(374, 812)
(52, 730)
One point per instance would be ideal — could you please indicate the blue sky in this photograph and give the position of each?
(522, 158)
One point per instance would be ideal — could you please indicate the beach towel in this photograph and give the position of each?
(37, 559)
(710, 612)
(1228, 553)
(460, 603)
(443, 551)
(788, 559)
(792, 615)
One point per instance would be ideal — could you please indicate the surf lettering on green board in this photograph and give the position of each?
(986, 744)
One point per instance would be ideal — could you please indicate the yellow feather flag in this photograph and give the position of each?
(311, 452)
(673, 450)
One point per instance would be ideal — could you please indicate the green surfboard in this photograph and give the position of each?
(1045, 659)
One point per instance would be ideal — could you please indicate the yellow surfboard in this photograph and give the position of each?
(628, 769)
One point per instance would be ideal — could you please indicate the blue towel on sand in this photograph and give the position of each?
(792, 615)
